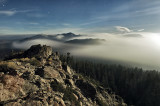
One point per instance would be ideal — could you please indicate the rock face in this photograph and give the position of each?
(87, 89)
(38, 51)
(28, 81)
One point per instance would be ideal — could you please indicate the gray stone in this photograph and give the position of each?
(38, 51)
(87, 89)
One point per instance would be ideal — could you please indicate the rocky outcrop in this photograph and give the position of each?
(38, 51)
(47, 81)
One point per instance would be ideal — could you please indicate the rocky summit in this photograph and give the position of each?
(38, 78)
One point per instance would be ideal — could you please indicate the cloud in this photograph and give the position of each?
(140, 30)
(128, 10)
(7, 12)
(66, 24)
(60, 37)
(136, 50)
(91, 22)
(12, 12)
(123, 29)
(133, 35)
(149, 11)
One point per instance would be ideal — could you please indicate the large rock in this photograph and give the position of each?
(38, 51)
(87, 89)
(13, 87)
(47, 72)
(66, 68)
(69, 82)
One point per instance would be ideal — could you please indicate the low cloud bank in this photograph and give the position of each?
(142, 48)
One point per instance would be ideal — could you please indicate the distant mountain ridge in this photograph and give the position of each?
(88, 41)
(69, 38)
(57, 37)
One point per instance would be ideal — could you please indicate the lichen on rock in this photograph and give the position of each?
(49, 82)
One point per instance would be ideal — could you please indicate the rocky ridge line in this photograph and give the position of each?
(39, 78)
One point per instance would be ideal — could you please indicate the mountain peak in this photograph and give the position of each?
(69, 33)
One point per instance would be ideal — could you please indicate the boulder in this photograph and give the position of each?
(47, 72)
(88, 89)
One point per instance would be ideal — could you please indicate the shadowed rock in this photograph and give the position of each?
(87, 88)
(23, 82)
(38, 51)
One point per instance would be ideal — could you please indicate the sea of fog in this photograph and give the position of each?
(135, 49)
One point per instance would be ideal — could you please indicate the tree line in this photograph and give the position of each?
(135, 85)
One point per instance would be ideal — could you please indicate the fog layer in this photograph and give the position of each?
(142, 49)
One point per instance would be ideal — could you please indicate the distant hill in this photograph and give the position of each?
(57, 37)
(86, 41)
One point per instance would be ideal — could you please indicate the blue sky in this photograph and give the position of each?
(79, 16)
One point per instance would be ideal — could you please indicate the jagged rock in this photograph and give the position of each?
(14, 87)
(66, 68)
(69, 82)
(67, 103)
(75, 96)
(62, 102)
(56, 56)
(7, 68)
(23, 83)
(13, 104)
(11, 85)
(79, 94)
(68, 76)
(49, 72)
(32, 103)
(87, 88)
(75, 77)
(38, 51)
(62, 75)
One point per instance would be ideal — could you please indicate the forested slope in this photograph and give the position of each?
(137, 86)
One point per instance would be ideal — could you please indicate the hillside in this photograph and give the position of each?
(37, 77)
(86, 41)
(138, 87)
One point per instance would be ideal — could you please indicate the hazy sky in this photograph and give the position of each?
(130, 27)
(79, 16)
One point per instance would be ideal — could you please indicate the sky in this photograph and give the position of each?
(129, 27)
(79, 16)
